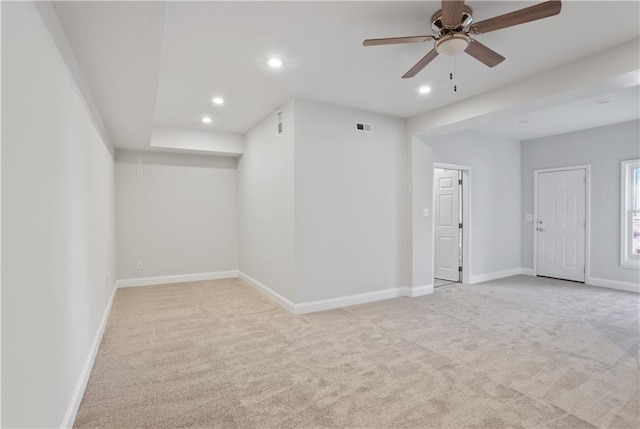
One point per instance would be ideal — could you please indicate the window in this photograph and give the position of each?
(630, 219)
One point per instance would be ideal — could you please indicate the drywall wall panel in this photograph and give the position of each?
(421, 199)
(495, 196)
(58, 226)
(265, 204)
(196, 141)
(603, 148)
(176, 214)
(351, 202)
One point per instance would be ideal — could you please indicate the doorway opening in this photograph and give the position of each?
(561, 222)
(450, 224)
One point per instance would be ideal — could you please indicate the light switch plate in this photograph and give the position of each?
(425, 212)
(528, 217)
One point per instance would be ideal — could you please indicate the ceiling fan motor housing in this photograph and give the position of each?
(438, 26)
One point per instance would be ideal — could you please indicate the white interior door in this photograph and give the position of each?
(561, 224)
(447, 229)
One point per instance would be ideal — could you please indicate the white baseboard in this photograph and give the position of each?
(183, 278)
(614, 284)
(270, 293)
(495, 275)
(594, 281)
(527, 271)
(81, 385)
(345, 301)
(333, 303)
(419, 290)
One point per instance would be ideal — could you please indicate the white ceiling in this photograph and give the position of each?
(118, 46)
(603, 109)
(161, 63)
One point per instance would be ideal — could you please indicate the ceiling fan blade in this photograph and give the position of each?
(483, 54)
(528, 14)
(421, 64)
(396, 40)
(452, 13)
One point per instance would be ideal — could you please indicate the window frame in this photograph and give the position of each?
(627, 258)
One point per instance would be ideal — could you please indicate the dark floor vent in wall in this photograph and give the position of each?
(361, 127)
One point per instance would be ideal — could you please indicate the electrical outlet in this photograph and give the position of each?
(139, 265)
(139, 171)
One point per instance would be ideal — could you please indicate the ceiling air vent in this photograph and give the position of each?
(361, 127)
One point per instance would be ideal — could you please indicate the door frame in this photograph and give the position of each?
(587, 232)
(466, 219)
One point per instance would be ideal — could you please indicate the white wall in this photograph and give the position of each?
(196, 141)
(265, 205)
(495, 198)
(58, 250)
(421, 197)
(350, 202)
(178, 217)
(603, 148)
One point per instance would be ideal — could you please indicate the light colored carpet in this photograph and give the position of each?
(518, 352)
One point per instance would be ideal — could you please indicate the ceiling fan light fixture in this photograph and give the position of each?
(452, 44)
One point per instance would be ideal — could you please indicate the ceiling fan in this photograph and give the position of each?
(454, 27)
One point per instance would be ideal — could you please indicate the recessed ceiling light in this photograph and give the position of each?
(275, 62)
(523, 121)
(218, 100)
(424, 90)
(206, 119)
(603, 101)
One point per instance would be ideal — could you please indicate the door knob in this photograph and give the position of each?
(540, 229)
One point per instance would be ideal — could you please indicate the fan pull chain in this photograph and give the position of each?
(452, 65)
(455, 70)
